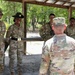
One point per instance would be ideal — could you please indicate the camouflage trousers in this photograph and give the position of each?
(15, 56)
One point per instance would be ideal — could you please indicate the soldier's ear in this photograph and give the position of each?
(52, 27)
(65, 26)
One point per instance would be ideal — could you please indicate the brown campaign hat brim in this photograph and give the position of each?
(18, 15)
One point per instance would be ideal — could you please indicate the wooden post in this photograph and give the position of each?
(70, 12)
(25, 16)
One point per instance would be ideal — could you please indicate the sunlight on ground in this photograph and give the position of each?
(34, 47)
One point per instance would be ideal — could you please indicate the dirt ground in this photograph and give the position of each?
(30, 66)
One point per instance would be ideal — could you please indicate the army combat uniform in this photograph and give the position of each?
(46, 31)
(15, 47)
(2, 45)
(60, 52)
(70, 31)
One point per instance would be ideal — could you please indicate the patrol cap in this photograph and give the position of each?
(18, 15)
(1, 12)
(59, 21)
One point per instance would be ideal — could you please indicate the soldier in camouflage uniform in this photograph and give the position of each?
(46, 31)
(59, 51)
(71, 28)
(2, 45)
(15, 32)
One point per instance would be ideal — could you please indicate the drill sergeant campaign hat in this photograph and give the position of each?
(18, 15)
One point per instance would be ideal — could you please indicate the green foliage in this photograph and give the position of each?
(9, 9)
(73, 14)
(7, 25)
(41, 13)
(38, 25)
(36, 13)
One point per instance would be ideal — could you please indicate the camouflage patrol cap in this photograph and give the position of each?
(1, 12)
(59, 21)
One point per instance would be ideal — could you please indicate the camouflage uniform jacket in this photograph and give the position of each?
(46, 31)
(59, 51)
(14, 31)
(70, 31)
(2, 44)
(2, 32)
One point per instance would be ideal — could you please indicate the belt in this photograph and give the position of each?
(12, 38)
(16, 39)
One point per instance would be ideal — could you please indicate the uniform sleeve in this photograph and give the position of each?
(42, 32)
(22, 30)
(44, 61)
(66, 31)
(8, 34)
(46, 32)
(73, 44)
(4, 28)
